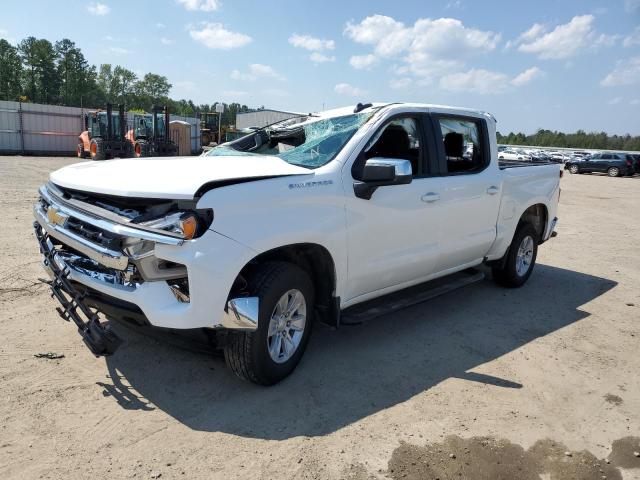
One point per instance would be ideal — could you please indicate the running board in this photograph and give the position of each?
(409, 297)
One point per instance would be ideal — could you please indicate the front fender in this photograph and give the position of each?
(267, 214)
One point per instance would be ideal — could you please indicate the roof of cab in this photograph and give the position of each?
(338, 112)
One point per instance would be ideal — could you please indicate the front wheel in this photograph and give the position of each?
(573, 169)
(520, 259)
(613, 172)
(270, 353)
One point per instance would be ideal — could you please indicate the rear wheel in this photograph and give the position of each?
(520, 258)
(96, 149)
(613, 172)
(273, 351)
(574, 169)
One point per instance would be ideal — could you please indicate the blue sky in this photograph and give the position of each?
(554, 64)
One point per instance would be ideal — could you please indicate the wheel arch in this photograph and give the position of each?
(314, 259)
(538, 216)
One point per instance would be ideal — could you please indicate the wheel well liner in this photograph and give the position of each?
(312, 258)
(537, 215)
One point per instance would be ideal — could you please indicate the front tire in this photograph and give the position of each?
(141, 149)
(272, 352)
(613, 172)
(520, 259)
(574, 169)
(96, 149)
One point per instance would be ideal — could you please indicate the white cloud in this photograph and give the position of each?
(626, 72)
(615, 101)
(632, 39)
(317, 57)
(117, 51)
(217, 37)
(527, 76)
(372, 29)
(238, 75)
(256, 71)
(484, 82)
(631, 6)
(98, 9)
(260, 70)
(347, 89)
(166, 41)
(363, 62)
(400, 83)
(428, 49)
(475, 81)
(635, 101)
(202, 5)
(311, 43)
(564, 41)
(160, 25)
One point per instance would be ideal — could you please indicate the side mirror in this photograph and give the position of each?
(380, 172)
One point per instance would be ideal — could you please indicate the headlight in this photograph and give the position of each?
(185, 224)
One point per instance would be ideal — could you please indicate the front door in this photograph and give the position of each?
(392, 237)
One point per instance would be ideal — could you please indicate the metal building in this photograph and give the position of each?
(261, 118)
(36, 129)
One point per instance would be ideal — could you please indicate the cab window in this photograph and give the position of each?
(462, 145)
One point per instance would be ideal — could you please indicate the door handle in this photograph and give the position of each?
(492, 190)
(430, 197)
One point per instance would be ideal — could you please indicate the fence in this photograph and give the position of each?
(36, 129)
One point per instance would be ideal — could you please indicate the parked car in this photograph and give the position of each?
(512, 154)
(613, 164)
(634, 158)
(294, 223)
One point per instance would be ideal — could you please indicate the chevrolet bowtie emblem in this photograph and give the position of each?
(56, 217)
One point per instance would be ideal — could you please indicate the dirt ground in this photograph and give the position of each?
(538, 382)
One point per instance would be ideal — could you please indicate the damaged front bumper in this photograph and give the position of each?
(171, 283)
(99, 338)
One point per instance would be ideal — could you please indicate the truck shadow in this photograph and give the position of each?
(354, 372)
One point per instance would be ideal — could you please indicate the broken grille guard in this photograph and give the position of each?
(98, 338)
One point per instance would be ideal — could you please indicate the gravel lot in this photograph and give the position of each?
(539, 382)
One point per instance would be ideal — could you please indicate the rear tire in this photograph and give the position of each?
(613, 172)
(520, 259)
(253, 355)
(96, 149)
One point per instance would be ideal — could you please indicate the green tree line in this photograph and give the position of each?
(39, 71)
(579, 139)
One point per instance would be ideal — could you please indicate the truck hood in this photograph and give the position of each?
(169, 177)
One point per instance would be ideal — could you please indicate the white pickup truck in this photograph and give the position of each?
(295, 222)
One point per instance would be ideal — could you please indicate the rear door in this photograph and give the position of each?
(468, 189)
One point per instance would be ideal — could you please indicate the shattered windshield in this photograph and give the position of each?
(306, 141)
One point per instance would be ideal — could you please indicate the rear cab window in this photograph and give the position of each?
(462, 144)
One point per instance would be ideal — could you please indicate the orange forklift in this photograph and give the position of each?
(149, 136)
(104, 135)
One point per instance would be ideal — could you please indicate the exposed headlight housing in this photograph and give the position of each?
(186, 224)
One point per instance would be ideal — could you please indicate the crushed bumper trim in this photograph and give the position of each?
(99, 338)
